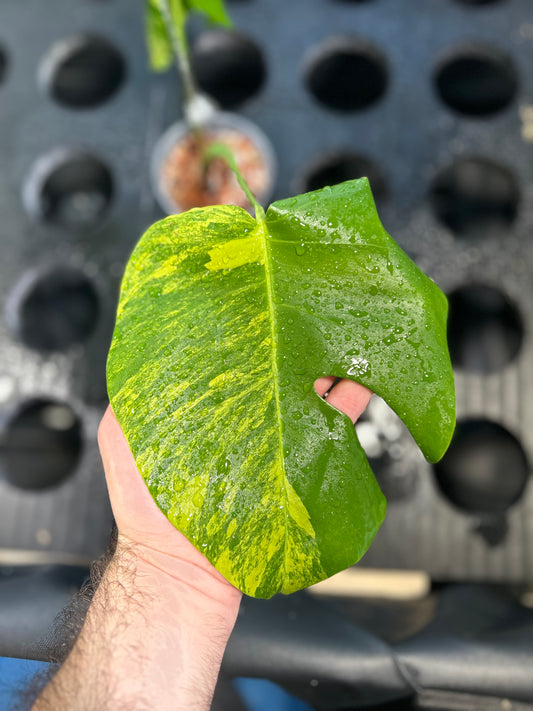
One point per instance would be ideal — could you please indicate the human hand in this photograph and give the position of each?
(139, 520)
(143, 526)
(161, 616)
(157, 546)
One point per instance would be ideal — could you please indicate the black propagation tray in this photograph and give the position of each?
(432, 99)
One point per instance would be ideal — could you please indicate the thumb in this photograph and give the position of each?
(136, 513)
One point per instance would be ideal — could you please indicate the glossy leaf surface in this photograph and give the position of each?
(223, 326)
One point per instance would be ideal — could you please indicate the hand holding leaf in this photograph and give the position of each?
(223, 326)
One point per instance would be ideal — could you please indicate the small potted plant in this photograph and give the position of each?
(183, 176)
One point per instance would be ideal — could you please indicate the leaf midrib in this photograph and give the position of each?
(263, 230)
(272, 318)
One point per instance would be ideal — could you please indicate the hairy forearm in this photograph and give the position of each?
(153, 638)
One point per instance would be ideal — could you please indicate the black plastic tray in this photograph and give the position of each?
(396, 127)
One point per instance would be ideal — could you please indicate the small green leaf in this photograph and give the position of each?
(224, 323)
(213, 9)
(158, 40)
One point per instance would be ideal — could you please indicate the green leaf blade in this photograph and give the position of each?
(158, 42)
(397, 315)
(220, 335)
(214, 10)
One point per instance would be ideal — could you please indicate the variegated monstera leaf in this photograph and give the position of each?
(224, 324)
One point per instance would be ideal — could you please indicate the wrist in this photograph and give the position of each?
(186, 609)
(154, 634)
(182, 575)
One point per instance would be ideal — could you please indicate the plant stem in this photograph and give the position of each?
(176, 31)
(220, 150)
(178, 39)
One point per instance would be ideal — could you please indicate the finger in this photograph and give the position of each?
(347, 396)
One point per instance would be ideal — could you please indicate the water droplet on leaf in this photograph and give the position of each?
(198, 500)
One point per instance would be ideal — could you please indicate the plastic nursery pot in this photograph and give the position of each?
(181, 180)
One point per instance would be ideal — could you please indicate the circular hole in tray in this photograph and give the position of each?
(69, 188)
(346, 73)
(477, 80)
(485, 470)
(338, 167)
(485, 330)
(55, 309)
(40, 445)
(3, 64)
(82, 71)
(228, 66)
(474, 196)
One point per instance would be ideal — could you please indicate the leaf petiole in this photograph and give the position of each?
(220, 150)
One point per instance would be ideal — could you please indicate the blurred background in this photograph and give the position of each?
(433, 101)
